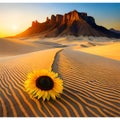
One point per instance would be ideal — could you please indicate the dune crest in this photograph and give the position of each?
(109, 51)
(91, 84)
(10, 47)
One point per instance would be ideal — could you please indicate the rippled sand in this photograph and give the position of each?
(91, 81)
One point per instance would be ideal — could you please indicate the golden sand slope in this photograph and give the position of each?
(110, 51)
(91, 84)
(13, 71)
(13, 47)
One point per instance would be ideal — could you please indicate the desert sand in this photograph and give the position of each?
(88, 66)
(109, 51)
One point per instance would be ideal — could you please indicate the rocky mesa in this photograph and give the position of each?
(73, 23)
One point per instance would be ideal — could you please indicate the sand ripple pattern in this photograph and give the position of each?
(91, 84)
(91, 87)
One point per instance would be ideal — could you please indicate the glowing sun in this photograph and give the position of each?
(14, 27)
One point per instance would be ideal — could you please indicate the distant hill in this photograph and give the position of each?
(116, 31)
(72, 23)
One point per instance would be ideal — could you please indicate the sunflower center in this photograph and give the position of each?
(44, 83)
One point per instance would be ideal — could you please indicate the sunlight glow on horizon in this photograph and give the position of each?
(16, 18)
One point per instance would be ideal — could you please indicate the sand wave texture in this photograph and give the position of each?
(91, 85)
(14, 101)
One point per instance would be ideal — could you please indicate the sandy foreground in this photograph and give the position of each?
(89, 68)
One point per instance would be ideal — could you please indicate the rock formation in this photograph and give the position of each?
(72, 23)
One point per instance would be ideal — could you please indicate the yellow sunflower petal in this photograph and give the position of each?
(43, 84)
(53, 96)
(48, 97)
(45, 96)
(40, 94)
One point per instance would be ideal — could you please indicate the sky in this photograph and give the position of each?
(17, 17)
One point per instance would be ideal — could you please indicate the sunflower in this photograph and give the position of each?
(44, 84)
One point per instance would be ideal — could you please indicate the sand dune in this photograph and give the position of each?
(13, 71)
(110, 51)
(13, 47)
(91, 82)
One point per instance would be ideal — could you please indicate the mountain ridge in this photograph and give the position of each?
(72, 23)
(114, 30)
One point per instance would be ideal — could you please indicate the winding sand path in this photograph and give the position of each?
(91, 85)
